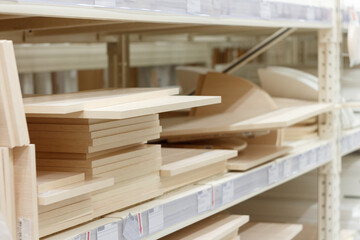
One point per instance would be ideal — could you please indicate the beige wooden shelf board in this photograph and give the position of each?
(213, 228)
(228, 122)
(178, 160)
(74, 190)
(74, 102)
(269, 231)
(47, 181)
(255, 155)
(138, 108)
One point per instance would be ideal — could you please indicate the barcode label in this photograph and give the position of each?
(24, 229)
(204, 198)
(194, 6)
(108, 232)
(228, 192)
(131, 228)
(156, 219)
(273, 173)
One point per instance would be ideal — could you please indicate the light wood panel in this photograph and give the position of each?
(12, 116)
(177, 160)
(237, 95)
(255, 155)
(7, 207)
(217, 227)
(25, 190)
(138, 107)
(224, 123)
(269, 231)
(233, 143)
(74, 190)
(73, 102)
(47, 181)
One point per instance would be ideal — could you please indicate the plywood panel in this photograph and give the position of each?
(12, 116)
(74, 190)
(255, 155)
(74, 102)
(47, 181)
(25, 189)
(237, 94)
(178, 161)
(212, 228)
(269, 231)
(225, 123)
(233, 143)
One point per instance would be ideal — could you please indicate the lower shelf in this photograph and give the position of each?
(191, 204)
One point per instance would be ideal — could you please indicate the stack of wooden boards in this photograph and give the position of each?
(18, 196)
(101, 136)
(247, 113)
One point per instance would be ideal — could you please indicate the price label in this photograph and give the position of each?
(287, 168)
(273, 173)
(105, 3)
(83, 236)
(194, 6)
(156, 219)
(303, 161)
(204, 198)
(312, 157)
(265, 10)
(108, 232)
(133, 227)
(227, 192)
(24, 229)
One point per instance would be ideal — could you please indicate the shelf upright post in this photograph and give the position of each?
(118, 61)
(329, 128)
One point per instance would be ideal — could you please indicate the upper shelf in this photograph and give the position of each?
(171, 13)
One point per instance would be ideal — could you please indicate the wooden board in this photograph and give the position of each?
(65, 203)
(84, 156)
(139, 107)
(255, 155)
(88, 125)
(232, 143)
(74, 190)
(8, 192)
(92, 135)
(178, 161)
(47, 181)
(237, 95)
(269, 231)
(45, 231)
(25, 189)
(108, 168)
(68, 209)
(189, 177)
(89, 149)
(79, 101)
(153, 128)
(102, 160)
(216, 227)
(225, 123)
(13, 126)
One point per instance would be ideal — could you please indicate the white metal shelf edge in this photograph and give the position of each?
(86, 12)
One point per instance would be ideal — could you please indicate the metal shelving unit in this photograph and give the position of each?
(67, 23)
